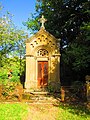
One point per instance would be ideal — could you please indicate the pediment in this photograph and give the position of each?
(42, 40)
(41, 33)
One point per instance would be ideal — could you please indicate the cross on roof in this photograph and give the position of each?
(42, 21)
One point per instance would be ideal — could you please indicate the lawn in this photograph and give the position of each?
(13, 111)
(73, 112)
(23, 111)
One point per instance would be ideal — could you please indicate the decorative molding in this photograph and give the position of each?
(56, 55)
(29, 55)
(35, 57)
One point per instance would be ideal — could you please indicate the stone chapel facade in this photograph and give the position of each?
(42, 61)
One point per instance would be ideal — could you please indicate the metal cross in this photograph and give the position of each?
(42, 20)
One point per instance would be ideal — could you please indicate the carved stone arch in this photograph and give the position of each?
(35, 50)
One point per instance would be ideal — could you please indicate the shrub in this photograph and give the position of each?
(11, 89)
(78, 89)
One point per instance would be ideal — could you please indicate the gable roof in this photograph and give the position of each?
(42, 31)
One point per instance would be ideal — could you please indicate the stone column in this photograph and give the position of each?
(88, 90)
(27, 80)
(88, 87)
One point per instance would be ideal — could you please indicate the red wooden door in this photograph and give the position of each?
(42, 73)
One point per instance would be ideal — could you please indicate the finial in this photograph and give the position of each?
(42, 21)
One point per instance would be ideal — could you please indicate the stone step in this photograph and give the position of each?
(39, 93)
(35, 96)
(39, 97)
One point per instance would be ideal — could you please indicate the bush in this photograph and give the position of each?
(11, 89)
(78, 89)
(3, 75)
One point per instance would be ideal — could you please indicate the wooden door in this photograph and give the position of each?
(42, 73)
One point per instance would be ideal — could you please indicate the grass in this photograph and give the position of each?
(13, 111)
(73, 112)
(60, 112)
(22, 111)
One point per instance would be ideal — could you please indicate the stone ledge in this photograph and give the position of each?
(40, 93)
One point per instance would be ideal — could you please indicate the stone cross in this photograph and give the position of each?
(42, 21)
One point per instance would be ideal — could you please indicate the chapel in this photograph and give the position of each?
(42, 61)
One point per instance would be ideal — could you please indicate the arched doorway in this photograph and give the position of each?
(42, 78)
(42, 73)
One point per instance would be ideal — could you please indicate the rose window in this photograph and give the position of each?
(42, 52)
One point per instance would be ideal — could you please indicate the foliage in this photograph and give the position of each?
(78, 90)
(8, 83)
(8, 87)
(68, 20)
(77, 85)
(11, 41)
(13, 111)
(11, 91)
(13, 65)
(32, 23)
(12, 48)
(77, 56)
(3, 75)
(65, 17)
(77, 53)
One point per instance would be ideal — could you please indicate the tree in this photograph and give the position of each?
(66, 18)
(12, 46)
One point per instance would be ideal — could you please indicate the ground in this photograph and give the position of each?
(43, 107)
(61, 111)
(42, 112)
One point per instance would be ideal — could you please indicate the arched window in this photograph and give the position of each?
(42, 52)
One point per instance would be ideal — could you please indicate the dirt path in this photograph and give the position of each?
(42, 112)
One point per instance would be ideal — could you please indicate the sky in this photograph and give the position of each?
(21, 10)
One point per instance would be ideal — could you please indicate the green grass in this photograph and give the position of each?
(73, 113)
(13, 111)
(22, 111)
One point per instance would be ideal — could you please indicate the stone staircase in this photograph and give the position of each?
(41, 97)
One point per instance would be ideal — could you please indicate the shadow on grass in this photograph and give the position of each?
(73, 107)
(78, 109)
